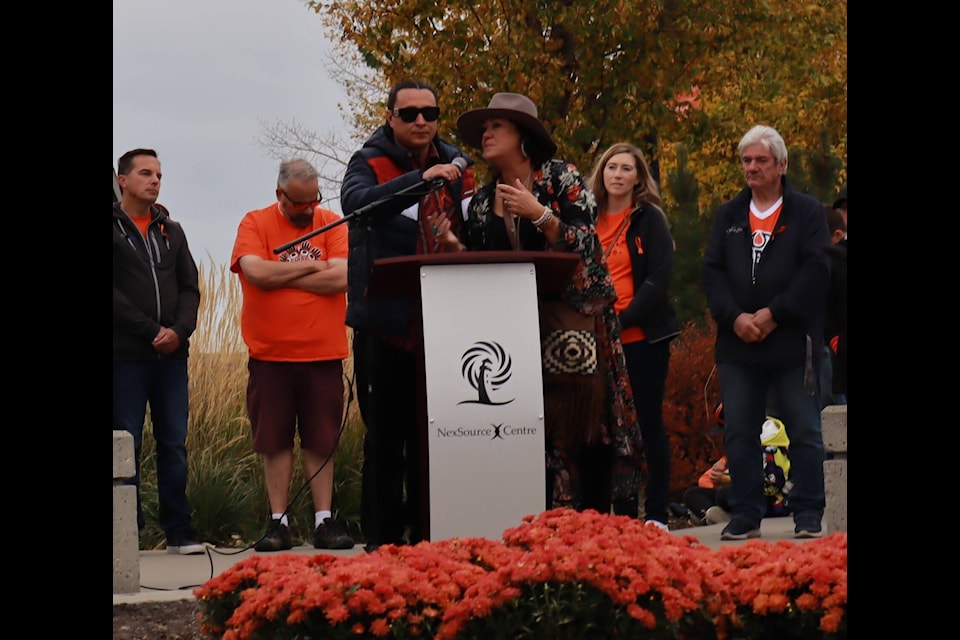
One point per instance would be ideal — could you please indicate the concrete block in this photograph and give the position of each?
(833, 420)
(126, 540)
(124, 465)
(834, 425)
(835, 484)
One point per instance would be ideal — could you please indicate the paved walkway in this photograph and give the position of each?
(164, 576)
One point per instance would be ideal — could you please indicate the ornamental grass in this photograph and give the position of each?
(560, 575)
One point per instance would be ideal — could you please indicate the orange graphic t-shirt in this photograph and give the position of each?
(287, 324)
(762, 224)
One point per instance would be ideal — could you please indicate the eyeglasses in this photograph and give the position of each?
(409, 114)
(296, 203)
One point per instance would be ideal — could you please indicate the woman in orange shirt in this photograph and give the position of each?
(636, 240)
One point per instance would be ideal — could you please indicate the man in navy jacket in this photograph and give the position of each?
(391, 173)
(765, 275)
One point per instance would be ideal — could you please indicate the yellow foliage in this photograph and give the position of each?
(611, 70)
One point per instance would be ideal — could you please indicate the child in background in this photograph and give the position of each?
(706, 502)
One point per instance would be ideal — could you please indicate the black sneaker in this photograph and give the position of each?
(332, 535)
(740, 529)
(807, 527)
(277, 538)
(184, 543)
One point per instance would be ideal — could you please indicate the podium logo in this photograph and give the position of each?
(496, 432)
(486, 367)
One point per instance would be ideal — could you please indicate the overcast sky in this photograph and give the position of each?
(194, 79)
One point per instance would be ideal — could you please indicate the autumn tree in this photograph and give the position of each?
(691, 72)
(690, 233)
(683, 79)
(787, 69)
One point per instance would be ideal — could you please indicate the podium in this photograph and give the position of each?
(480, 392)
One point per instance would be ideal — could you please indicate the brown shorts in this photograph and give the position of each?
(283, 397)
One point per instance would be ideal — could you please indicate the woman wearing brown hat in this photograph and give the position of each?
(535, 202)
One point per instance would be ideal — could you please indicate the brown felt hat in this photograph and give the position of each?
(514, 107)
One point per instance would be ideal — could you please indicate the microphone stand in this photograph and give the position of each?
(362, 211)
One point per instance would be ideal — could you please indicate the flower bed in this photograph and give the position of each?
(561, 574)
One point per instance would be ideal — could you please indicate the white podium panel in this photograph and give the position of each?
(484, 398)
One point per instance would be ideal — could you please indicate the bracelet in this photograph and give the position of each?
(544, 218)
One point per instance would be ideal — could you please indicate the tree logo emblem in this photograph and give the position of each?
(486, 367)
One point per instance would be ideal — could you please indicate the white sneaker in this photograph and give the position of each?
(658, 524)
(185, 544)
(187, 549)
(716, 515)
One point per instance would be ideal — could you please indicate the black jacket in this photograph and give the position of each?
(836, 315)
(652, 271)
(155, 284)
(377, 171)
(791, 279)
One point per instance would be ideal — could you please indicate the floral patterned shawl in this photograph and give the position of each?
(560, 185)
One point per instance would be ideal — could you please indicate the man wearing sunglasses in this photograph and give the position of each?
(406, 168)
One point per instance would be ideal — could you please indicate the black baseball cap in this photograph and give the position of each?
(841, 200)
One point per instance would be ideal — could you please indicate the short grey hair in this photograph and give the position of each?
(769, 138)
(295, 168)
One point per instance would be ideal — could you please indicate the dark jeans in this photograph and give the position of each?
(647, 365)
(163, 385)
(698, 499)
(826, 377)
(387, 396)
(744, 390)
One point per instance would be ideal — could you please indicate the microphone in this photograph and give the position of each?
(414, 189)
(461, 163)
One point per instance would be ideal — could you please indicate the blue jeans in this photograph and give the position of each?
(162, 384)
(745, 390)
(647, 366)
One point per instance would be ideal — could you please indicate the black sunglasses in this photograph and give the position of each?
(295, 203)
(409, 114)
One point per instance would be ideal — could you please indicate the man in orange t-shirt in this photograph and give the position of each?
(292, 321)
